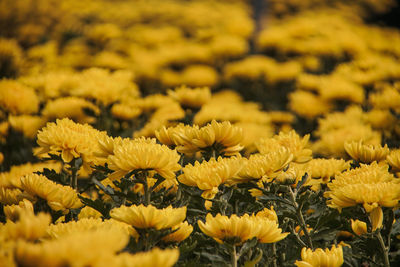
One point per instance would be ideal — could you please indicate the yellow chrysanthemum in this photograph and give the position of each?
(260, 165)
(154, 257)
(28, 227)
(270, 214)
(240, 229)
(207, 176)
(12, 178)
(371, 196)
(358, 227)
(394, 159)
(13, 212)
(292, 141)
(17, 98)
(125, 112)
(327, 258)
(88, 212)
(58, 197)
(27, 124)
(366, 153)
(10, 196)
(182, 231)
(81, 248)
(70, 140)
(191, 98)
(139, 154)
(70, 107)
(325, 168)
(143, 217)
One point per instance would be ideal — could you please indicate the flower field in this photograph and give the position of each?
(199, 133)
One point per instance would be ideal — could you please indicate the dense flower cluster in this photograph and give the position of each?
(129, 135)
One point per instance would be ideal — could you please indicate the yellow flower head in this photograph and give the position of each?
(125, 112)
(58, 197)
(191, 98)
(27, 124)
(10, 196)
(366, 153)
(70, 107)
(143, 217)
(290, 140)
(394, 159)
(207, 176)
(183, 230)
(18, 99)
(12, 178)
(180, 136)
(154, 257)
(239, 229)
(88, 212)
(28, 227)
(80, 248)
(327, 258)
(326, 168)
(358, 227)
(69, 139)
(270, 214)
(142, 154)
(13, 212)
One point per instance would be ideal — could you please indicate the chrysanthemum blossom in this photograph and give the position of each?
(140, 154)
(326, 168)
(182, 231)
(142, 217)
(208, 175)
(366, 153)
(328, 258)
(58, 197)
(292, 141)
(240, 229)
(358, 227)
(69, 140)
(192, 98)
(154, 257)
(394, 159)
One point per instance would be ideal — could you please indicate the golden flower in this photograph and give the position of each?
(292, 141)
(358, 227)
(58, 197)
(308, 105)
(58, 230)
(208, 175)
(394, 159)
(10, 196)
(240, 229)
(291, 175)
(27, 124)
(12, 178)
(154, 257)
(70, 107)
(270, 214)
(326, 168)
(328, 258)
(253, 132)
(139, 154)
(191, 98)
(70, 140)
(13, 212)
(183, 230)
(125, 112)
(81, 248)
(143, 217)
(17, 98)
(366, 153)
(259, 165)
(88, 212)
(171, 136)
(28, 227)
(371, 196)
(1, 157)
(222, 136)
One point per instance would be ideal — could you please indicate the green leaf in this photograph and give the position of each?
(255, 260)
(247, 246)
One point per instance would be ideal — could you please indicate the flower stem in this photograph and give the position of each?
(300, 217)
(274, 255)
(234, 256)
(385, 249)
(146, 192)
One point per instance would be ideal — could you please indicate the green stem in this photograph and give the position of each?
(385, 249)
(234, 256)
(147, 192)
(274, 255)
(300, 217)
